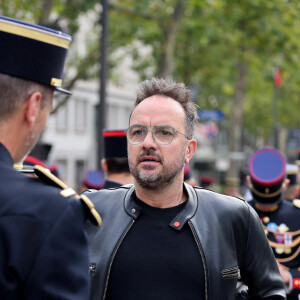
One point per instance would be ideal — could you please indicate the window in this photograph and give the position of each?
(62, 118)
(80, 115)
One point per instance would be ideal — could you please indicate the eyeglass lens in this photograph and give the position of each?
(163, 135)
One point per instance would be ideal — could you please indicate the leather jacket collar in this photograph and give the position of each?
(187, 213)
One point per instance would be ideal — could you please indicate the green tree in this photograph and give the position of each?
(227, 48)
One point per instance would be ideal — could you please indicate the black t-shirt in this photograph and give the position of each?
(155, 261)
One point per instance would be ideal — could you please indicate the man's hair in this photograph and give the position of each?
(177, 91)
(15, 91)
(117, 165)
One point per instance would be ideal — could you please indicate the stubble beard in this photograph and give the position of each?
(156, 180)
(31, 140)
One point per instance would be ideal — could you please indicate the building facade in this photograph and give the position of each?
(72, 130)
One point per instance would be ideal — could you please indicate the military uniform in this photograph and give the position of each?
(282, 227)
(280, 218)
(43, 245)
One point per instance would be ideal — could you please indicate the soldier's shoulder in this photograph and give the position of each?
(46, 177)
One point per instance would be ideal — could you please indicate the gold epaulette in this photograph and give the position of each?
(46, 176)
(296, 203)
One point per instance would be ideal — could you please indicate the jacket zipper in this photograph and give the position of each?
(114, 254)
(202, 257)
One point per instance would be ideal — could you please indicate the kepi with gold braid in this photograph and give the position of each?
(267, 170)
(33, 52)
(46, 176)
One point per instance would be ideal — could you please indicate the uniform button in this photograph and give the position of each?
(133, 210)
(176, 224)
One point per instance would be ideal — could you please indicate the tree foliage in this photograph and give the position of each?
(226, 48)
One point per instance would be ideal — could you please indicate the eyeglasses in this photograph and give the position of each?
(163, 135)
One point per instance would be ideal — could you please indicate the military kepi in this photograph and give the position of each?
(267, 170)
(115, 143)
(93, 179)
(33, 52)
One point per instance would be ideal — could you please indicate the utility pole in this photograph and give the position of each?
(101, 107)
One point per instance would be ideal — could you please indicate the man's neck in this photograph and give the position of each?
(162, 198)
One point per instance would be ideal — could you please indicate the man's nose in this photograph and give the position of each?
(149, 141)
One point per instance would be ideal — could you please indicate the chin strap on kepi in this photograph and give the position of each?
(47, 177)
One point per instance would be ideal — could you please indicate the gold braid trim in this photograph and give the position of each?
(256, 192)
(295, 243)
(283, 260)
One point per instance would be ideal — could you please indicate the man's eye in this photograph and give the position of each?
(137, 132)
(165, 132)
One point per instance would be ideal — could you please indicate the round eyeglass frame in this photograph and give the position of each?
(151, 130)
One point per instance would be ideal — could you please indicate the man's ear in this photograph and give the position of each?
(104, 165)
(32, 108)
(190, 150)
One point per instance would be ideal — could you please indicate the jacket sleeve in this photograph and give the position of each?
(260, 270)
(60, 270)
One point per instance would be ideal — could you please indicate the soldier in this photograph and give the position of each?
(292, 186)
(280, 218)
(188, 175)
(232, 187)
(115, 161)
(207, 182)
(43, 246)
(93, 179)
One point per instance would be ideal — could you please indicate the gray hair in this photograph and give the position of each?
(15, 91)
(177, 91)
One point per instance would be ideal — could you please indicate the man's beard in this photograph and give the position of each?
(158, 180)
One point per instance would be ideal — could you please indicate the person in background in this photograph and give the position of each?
(115, 161)
(207, 182)
(93, 179)
(280, 218)
(43, 245)
(297, 163)
(232, 187)
(292, 185)
(164, 239)
(188, 175)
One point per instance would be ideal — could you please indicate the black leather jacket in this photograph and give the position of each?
(228, 233)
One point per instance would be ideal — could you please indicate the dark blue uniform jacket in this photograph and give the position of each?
(43, 246)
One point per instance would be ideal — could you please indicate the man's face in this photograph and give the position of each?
(155, 166)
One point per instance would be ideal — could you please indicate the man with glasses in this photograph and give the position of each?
(164, 239)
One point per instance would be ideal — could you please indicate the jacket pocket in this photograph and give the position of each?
(231, 273)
